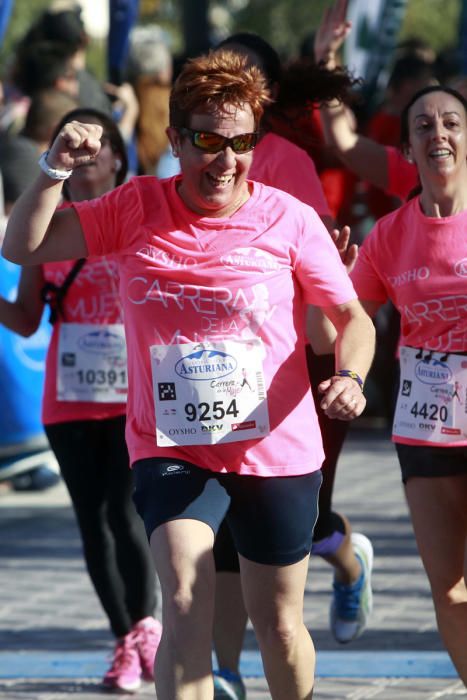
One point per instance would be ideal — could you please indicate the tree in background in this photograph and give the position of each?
(437, 22)
(23, 14)
(284, 23)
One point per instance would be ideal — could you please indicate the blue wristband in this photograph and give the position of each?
(353, 375)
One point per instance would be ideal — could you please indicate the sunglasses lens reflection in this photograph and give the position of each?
(244, 143)
(213, 143)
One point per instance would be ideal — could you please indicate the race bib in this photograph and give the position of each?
(91, 363)
(209, 393)
(432, 400)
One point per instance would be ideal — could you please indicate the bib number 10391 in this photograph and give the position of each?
(92, 363)
(101, 377)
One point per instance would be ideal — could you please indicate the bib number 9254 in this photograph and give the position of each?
(210, 411)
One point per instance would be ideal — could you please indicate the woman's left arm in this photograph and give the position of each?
(320, 332)
(343, 396)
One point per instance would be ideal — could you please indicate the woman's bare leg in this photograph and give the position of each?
(182, 551)
(274, 600)
(438, 507)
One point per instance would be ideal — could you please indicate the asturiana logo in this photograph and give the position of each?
(460, 268)
(101, 342)
(205, 365)
(250, 258)
(429, 373)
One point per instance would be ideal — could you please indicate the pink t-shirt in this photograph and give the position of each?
(91, 298)
(280, 163)
(402, 175)
(419, 262)
(186, 278)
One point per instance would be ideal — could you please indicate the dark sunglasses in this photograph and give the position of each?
(210, 142)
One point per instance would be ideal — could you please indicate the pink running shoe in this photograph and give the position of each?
(124, 674)
(147, 635)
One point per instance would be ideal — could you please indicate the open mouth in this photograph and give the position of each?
(219, 180)
(440, 154)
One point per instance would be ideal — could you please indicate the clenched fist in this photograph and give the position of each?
(76, 144)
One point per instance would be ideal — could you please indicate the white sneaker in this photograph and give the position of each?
(352, 604)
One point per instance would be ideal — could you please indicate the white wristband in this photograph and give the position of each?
(52, 172)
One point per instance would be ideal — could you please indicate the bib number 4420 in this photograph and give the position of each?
(429, 411)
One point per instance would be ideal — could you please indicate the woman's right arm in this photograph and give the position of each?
(36, 233)
(363, 156)
(23, 315)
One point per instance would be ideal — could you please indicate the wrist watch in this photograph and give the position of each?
(53, 173)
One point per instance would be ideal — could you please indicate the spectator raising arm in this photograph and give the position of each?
(366, 158)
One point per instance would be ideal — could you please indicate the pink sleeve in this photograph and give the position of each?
(366, 280)
(108, 221)
(318, 266)
(402, 175)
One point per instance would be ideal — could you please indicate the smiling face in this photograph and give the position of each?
(214, 184)
(438, 135)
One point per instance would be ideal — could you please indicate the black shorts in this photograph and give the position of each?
(431, 461)
(271, 518)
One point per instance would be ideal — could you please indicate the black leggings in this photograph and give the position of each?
(333, 432)
(94, 464)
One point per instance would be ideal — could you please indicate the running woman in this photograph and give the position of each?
(216, 272)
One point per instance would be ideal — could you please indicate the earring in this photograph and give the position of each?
(118, 164)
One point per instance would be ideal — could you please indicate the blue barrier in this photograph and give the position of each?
(22, 364)
(330, 664)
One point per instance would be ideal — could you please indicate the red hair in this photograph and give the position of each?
(210, 82)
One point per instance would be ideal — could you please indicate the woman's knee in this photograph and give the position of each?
(448, 596)
(92, 521)
(123, 519)
(280, 629)
(180, 603)
(188, 592)
(187, 621)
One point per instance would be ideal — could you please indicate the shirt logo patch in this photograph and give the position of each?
(460, 268)
(205, 365)
(250, 259)
(432, 372)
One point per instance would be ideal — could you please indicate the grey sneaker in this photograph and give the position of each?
(228, 685)
(351, 605)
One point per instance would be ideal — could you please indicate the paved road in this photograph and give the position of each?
(54, 640)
